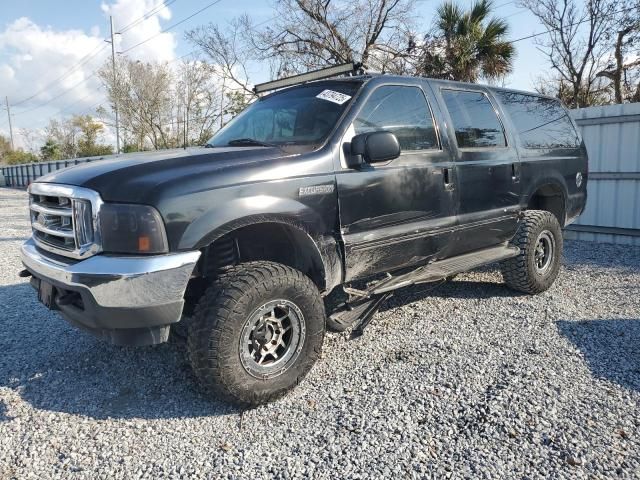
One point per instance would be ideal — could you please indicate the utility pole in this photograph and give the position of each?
(6, 99)
(186, 112)
(115, 96)
(184, 132)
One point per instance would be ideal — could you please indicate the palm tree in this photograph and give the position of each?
(467, 45)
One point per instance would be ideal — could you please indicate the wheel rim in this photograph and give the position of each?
(272, 338)
(544, 252)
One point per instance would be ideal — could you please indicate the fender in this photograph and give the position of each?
(549, 187)
(553, 179)
(241, 212)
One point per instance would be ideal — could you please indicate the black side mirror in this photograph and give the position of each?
(373, 147)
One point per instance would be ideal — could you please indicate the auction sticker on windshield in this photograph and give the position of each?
(333, 96)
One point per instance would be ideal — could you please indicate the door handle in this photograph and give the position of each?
(515, 172)
(447, 178)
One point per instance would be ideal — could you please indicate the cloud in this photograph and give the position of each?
(57, 67)
(34, 56)
(129, 17)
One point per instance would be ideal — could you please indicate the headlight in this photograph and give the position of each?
(132, 229)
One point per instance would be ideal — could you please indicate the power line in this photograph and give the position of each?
(147, 15)
(570, 25)
(183, 56)
(64, 92)
(515, 13)
(68, 107)
(93, 74)
(266, 21)
(82, 62)
(92, 54)
(172, 26)
(504, 4)
(96, 106)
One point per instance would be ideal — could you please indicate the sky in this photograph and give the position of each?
(42, 40)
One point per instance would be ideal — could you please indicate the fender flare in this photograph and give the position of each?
(230, 216)
(555, 182)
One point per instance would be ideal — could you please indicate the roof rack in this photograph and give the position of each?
(307, 77)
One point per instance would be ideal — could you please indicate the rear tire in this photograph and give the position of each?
(256, 333)
(539, 238)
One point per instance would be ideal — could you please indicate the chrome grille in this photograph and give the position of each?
(64, 219)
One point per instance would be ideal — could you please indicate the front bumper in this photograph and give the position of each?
(129, 300)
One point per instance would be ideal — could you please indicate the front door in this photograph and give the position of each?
(488, 168)
(398, 213)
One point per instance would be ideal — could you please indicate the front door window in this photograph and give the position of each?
(402, 111)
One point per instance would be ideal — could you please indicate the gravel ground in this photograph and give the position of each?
(468, 380)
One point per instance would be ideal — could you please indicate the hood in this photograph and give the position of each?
(134, 177)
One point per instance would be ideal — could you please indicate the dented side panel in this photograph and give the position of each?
(398, 213)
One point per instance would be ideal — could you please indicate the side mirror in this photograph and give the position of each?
(373, 147)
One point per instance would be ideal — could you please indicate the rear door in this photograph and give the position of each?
(487, 164)
(398, 213)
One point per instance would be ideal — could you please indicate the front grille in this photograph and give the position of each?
(52, 221)
(64, 219)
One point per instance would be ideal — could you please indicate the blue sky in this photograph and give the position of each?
(40, 40)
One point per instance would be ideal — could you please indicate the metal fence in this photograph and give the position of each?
(23, 175)
(612, 137)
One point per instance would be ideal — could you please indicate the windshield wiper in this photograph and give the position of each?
(237, 142)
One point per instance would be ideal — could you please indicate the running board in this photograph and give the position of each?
(364, 304)
(441, 269)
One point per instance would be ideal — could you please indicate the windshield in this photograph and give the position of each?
(299, 116)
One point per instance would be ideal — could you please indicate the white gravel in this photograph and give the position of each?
(467, 381)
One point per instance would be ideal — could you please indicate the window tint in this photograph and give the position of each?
(402, 111)
(474, 119)
(540, 122)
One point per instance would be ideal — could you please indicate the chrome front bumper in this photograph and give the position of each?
(121, 294)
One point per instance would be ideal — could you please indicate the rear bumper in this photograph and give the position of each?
(128, 300)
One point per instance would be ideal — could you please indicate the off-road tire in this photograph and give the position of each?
(220, 316)
(520, 272)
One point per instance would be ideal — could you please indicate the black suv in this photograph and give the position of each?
(369, 182)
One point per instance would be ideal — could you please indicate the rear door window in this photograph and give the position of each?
(404, 112)
(540, 122)
(475, 121)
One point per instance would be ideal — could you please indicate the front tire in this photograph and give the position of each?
(256, 332)
(539, 238)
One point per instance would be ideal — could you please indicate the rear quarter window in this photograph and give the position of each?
(539, 122)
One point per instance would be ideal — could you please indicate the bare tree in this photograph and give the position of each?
(310, 34)
(65, 135)
(227, 49)
(576, 45)
(145, 100)
(77, 136)
(623, 69)
(197, 89)
(229, 52)
(31, 139)
(306, 34)
(162, 105)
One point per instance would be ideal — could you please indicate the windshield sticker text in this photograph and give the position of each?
(333, 96)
